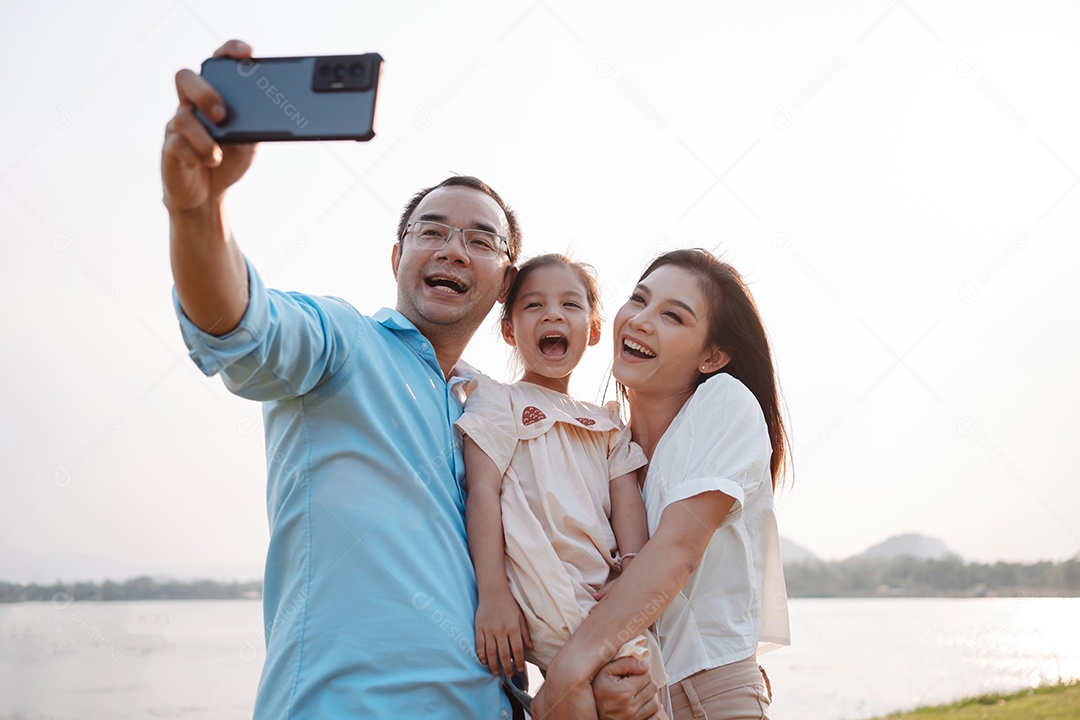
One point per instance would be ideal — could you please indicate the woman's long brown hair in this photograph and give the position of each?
(735, 327)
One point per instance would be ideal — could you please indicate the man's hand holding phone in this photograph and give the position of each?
(209, 145)
(209, 271)
(195, 170)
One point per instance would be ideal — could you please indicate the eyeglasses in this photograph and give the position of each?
(478, 243)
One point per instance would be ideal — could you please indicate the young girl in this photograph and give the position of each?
(552, 475)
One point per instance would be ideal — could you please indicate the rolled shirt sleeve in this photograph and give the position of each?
(285, 345)
(722, 444)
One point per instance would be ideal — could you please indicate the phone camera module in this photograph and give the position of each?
(343, 73)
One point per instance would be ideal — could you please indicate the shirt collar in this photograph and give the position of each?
(464, 371)
(394, 320)
(411, 336)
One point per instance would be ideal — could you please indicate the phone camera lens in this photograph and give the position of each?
(356, 69)
(325, 70)
(339, 71)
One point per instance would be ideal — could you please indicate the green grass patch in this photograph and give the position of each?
(1052, 702)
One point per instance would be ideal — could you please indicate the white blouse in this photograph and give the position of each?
(734, 603)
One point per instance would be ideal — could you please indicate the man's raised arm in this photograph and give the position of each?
(208, 268)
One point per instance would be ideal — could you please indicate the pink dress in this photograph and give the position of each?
(557, 456)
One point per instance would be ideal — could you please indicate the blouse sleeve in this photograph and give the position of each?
(489, 420)
(722, 444)
(624, 455)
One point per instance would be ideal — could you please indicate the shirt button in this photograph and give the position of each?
(505, 714)
(425, 347)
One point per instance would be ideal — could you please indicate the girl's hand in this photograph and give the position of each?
(501, 634)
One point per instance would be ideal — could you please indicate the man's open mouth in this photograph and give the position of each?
(446, 284)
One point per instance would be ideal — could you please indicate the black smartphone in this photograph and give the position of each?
(329, 97)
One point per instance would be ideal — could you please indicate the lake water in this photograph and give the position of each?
(851, 659)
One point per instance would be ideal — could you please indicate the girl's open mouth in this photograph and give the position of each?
(553, 346)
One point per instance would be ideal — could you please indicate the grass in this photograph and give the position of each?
(1052, 702)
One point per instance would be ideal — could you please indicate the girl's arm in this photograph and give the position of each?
(628, 520)
(501, 631)
(641, 595)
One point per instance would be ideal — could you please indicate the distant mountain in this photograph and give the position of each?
(912, 545)
(794, 554)
(25, 568)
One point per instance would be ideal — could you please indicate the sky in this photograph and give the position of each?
(897, 180)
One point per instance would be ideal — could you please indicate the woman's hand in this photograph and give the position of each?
(561, 698)
(622, 690)
(502, 634)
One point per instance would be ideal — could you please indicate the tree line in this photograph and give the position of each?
(911, 577)
(140, 588)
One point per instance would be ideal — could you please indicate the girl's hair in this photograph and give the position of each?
(735, 327)
(584, 272)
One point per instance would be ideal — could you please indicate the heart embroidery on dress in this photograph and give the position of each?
(587, 422)
(532, 414)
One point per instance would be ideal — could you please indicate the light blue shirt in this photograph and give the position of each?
(369, 593)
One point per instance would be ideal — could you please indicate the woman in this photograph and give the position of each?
(693, 357)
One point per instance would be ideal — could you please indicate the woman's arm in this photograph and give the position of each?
(501, 631)
(628, 520)
(642, 594)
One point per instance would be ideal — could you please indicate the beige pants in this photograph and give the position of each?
(738, 691)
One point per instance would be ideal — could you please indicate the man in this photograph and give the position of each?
(369, 592)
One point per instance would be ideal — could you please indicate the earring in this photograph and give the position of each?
(702, 368)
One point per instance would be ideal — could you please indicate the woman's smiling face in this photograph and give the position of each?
(661, 334)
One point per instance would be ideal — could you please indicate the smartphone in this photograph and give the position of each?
(329, 97)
